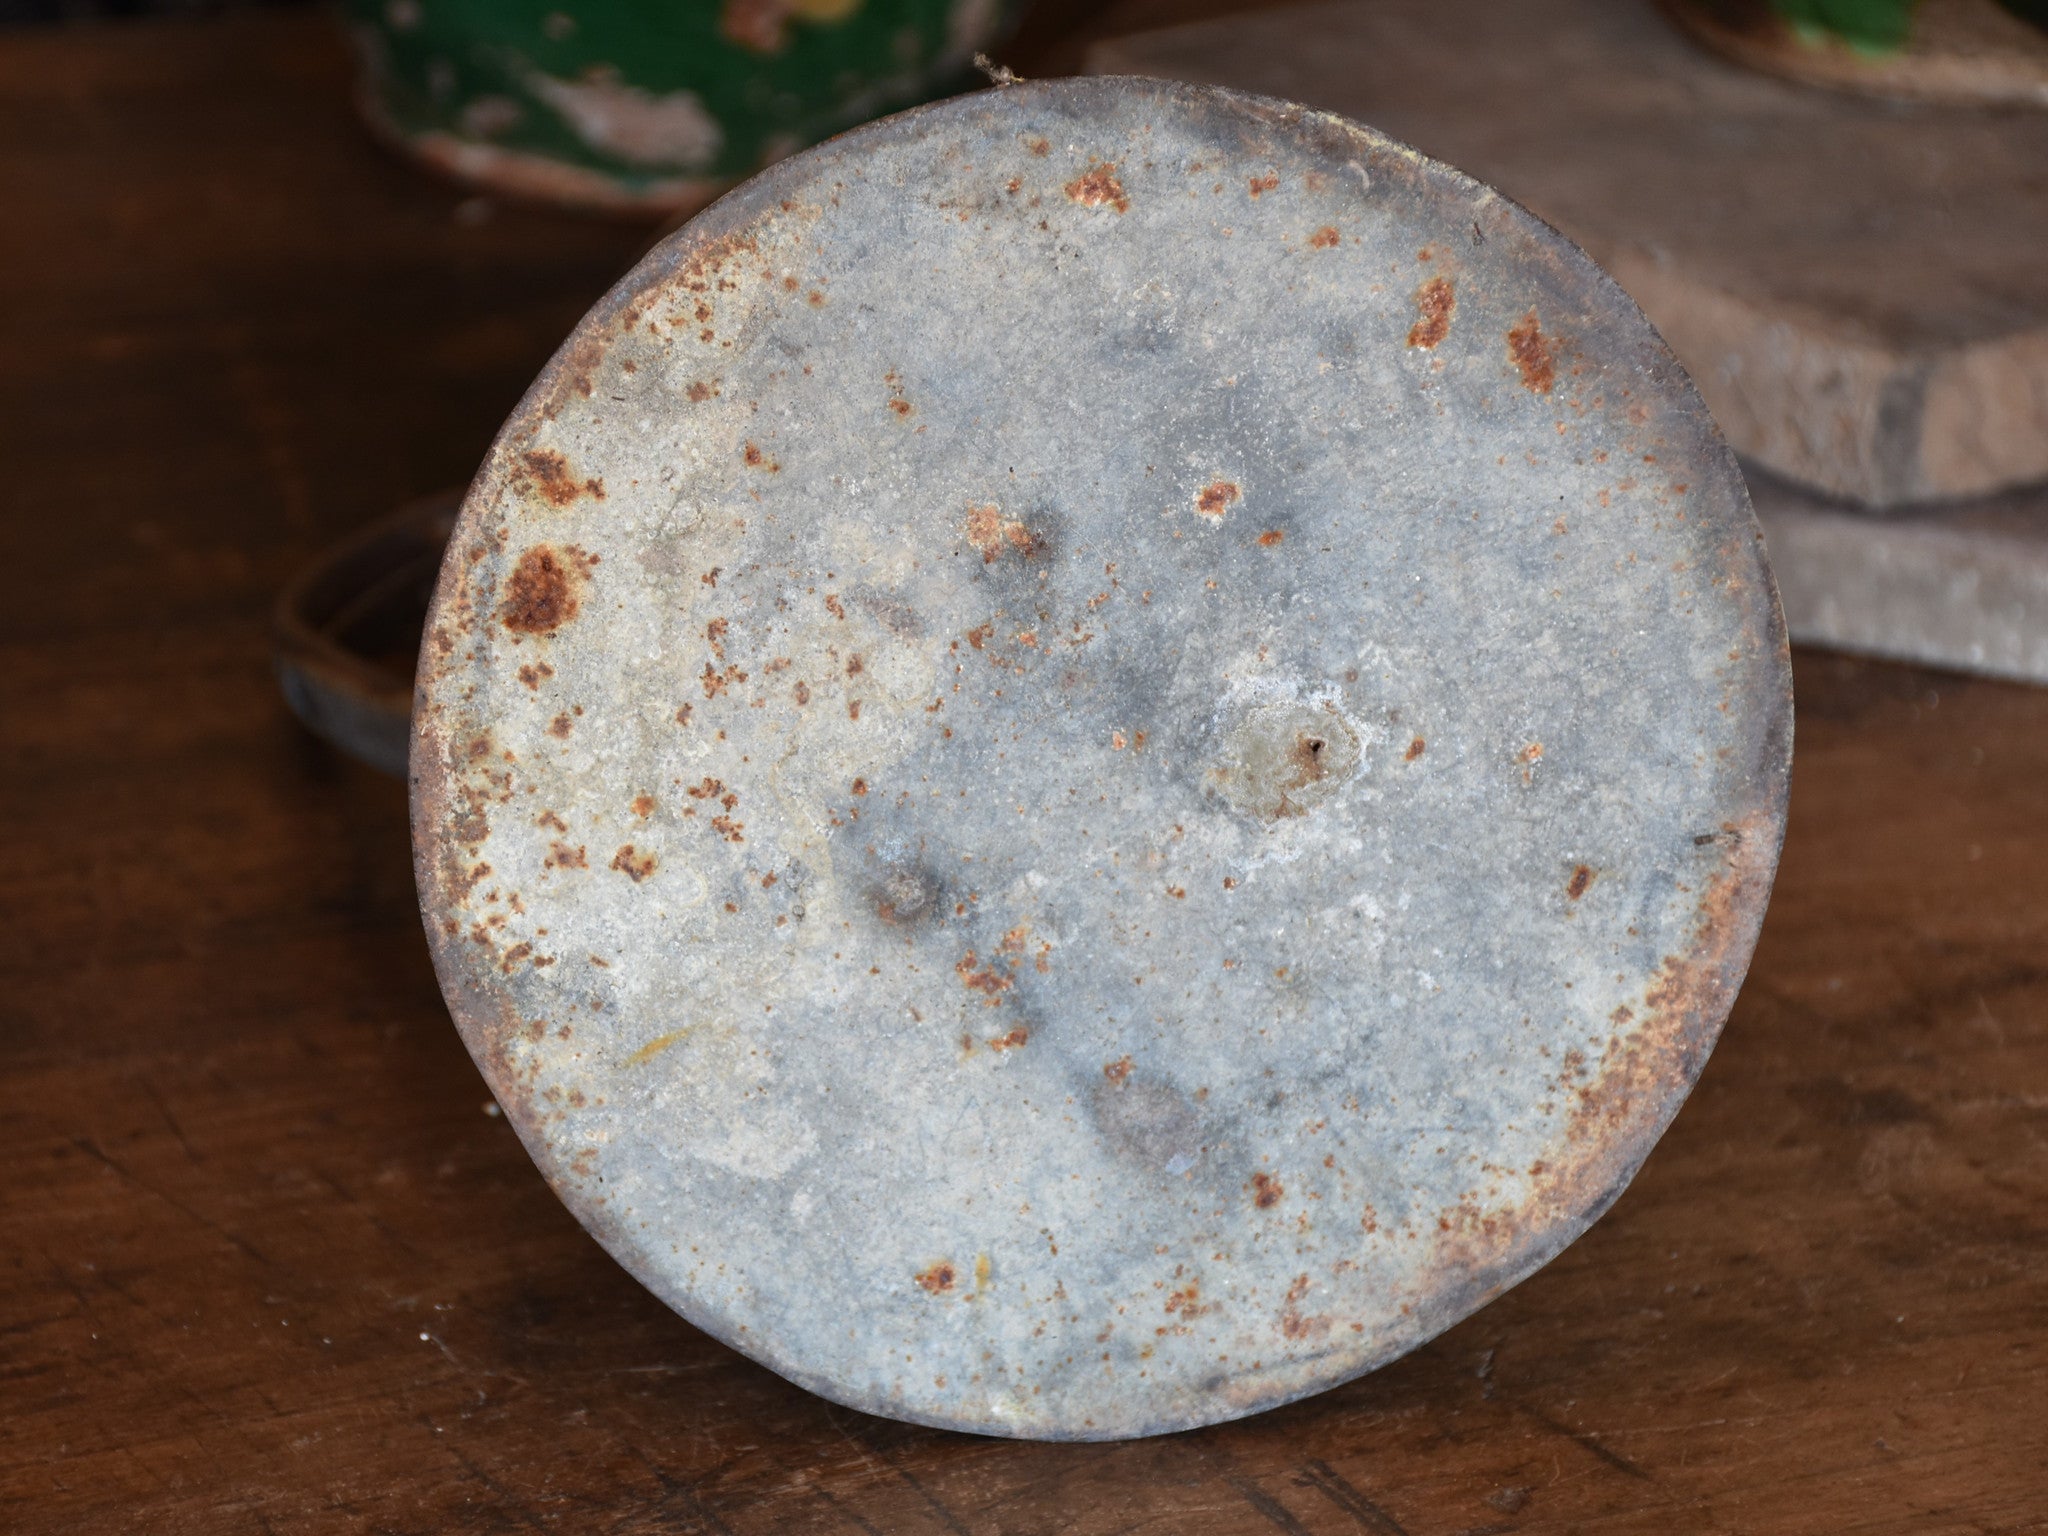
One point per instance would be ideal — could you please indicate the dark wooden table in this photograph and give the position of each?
(269, 1264)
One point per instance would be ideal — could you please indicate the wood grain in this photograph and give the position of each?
(270, 1265)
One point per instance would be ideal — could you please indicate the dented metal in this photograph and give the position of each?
(1097, 756)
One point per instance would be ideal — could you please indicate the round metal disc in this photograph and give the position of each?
(1097, 756)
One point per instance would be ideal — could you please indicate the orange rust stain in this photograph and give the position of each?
(992, 534)
(540, 595)
(990, 982)
(1266, 1191)
(1271, 537)
(699, 392)
(533, 674)
(834, 607)
(901, 406)
(1582, 878)
(1415, 749)
(643, 806)
(1011, 1041)
(801, 692)
(1261, 184)
(716, 682)
(548, 472)
(1187, 1301)
(1214, 499)
(634, 865)
(1325, 237)
(560, 727)
(1098, 187)
(728, 829)
(1434, 302)
(1533, 354)
(1116, 1071)
(939, 1278)
(1038, 147)
(562, 856)
(756, 459)
(714, 633)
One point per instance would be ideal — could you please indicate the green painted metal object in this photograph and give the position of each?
(652, 106)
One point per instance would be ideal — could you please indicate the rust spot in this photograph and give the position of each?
(714, 633)
(1266, 1191)
(541, 592)
(901, 406)
(532, 675)
(728, 829)
(756, 459)
(1038, 147)
(716, 682)
(1011, 1041)
(860, 786)
(562, 856)
(1310, 757)
(1187, 1301)
(1292, 1323)
(1325, 237)
(548, 472)
(979, 635)
(833, 606)
(1097, 187)
(992, 534)
(634, 865)
(1271, 537)
(1261, 184)
(1533, 354)
(1434, 301)
(1582, 877)
(560, 727)
(1415, 749)
(1116, 1071)
(990, 982)
(699, 392)
(643, 806)
(1214, 499)
(801, 692)
(938, 1278)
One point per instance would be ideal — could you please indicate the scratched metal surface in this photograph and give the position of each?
(1098, 755)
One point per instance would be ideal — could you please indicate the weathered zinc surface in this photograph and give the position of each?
(1097, 756)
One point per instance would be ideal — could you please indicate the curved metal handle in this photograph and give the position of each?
(347, 631)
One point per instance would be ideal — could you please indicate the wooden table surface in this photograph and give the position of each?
(269, 1264)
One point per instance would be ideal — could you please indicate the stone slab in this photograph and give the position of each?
(1962, 586)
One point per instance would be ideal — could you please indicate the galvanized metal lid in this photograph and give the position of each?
(1097, 756)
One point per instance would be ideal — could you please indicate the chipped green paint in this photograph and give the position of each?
(633, 107)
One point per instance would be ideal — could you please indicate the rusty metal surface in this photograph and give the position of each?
(1098, 755)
